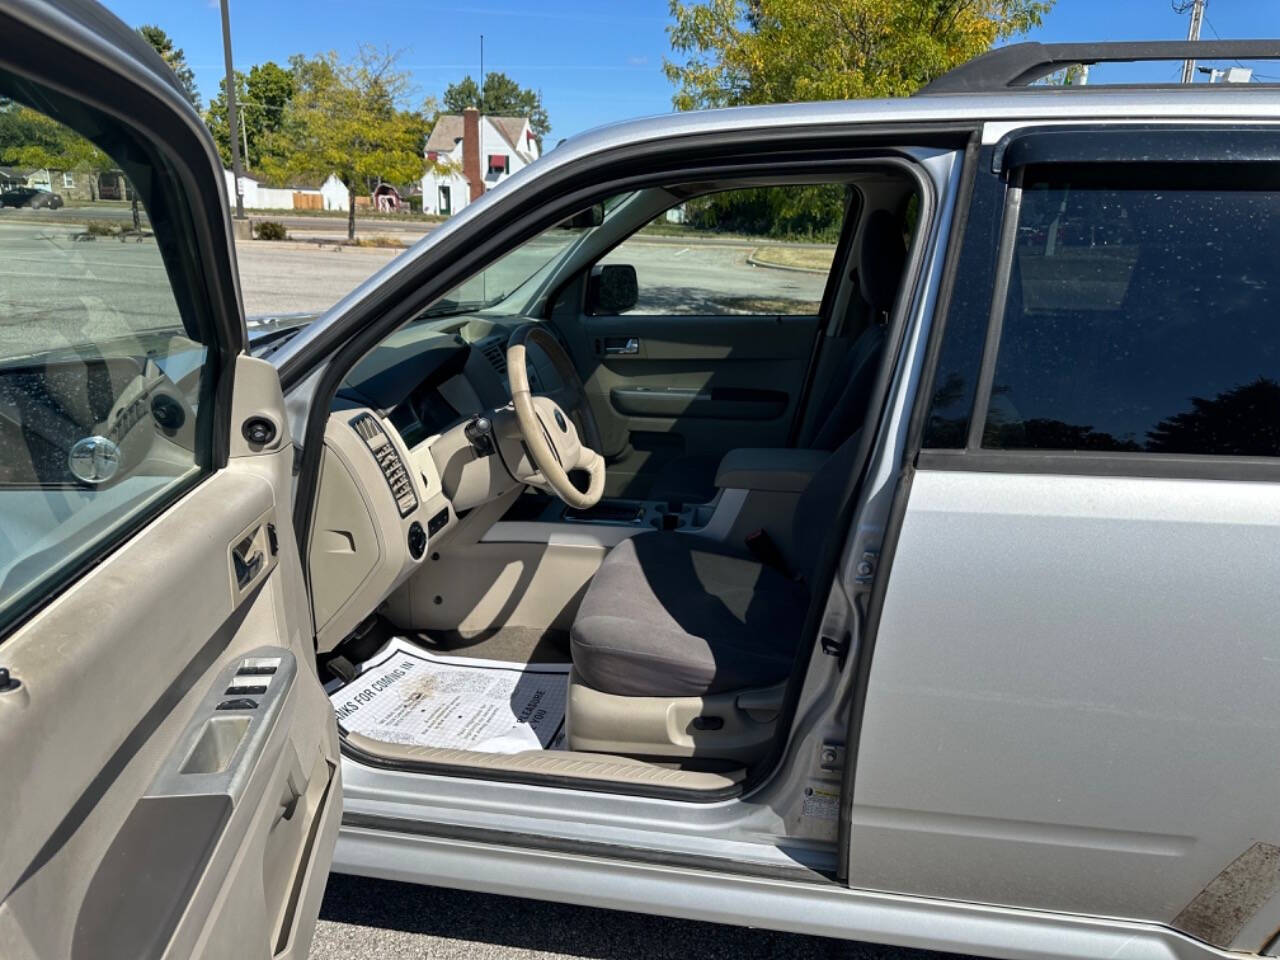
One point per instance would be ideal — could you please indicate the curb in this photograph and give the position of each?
(751, 259)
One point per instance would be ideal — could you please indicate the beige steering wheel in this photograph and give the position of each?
(550, 435)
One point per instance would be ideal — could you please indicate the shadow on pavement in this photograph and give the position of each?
(530, 925)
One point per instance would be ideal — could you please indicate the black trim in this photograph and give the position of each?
(995, 316)
(1104, 464)
(1020, 64)
(581, 848)
(1137, 143)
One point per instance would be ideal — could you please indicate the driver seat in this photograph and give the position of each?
(682, 645)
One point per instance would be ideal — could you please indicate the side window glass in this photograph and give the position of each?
(101, 382)
(1142, 315)
(764, 251)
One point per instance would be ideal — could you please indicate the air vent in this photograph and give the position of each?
(494, 350)
(367, 427)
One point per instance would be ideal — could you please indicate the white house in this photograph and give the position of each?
(470, 153)
(330, 195)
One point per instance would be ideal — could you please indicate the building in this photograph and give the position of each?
(469, 153)
(330, 194)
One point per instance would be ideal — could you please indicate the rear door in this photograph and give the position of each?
(715, 350)
(1070, 700)
(170, 782)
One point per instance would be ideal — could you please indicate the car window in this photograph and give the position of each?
(101, 379)
(1141, 316)
(761, 250)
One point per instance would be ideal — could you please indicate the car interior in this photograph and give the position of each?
(588, 472)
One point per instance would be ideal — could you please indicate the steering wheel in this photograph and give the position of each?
(549, 435)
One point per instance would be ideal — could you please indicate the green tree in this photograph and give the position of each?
(30, 139)
(262, 98)
(348, 119)
(175, 58)
(783, 51)
(503, 97)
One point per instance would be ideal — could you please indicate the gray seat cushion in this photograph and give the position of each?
(675, 615)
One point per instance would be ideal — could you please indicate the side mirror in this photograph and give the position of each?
(612, 289)
(593, 216)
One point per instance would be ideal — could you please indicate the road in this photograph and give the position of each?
(123, 213)
(364, 919)
(54, 280)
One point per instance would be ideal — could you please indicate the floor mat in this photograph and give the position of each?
(410, 696)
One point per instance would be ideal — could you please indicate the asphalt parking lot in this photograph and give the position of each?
(364, 919)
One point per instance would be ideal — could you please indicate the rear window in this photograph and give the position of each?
(1142, 314)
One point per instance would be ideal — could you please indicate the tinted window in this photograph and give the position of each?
(1142, 315)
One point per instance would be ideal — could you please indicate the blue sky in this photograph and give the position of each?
(595, 61)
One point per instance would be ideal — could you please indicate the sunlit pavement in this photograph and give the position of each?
(365, 919)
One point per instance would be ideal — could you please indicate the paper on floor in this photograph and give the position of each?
(409, 696)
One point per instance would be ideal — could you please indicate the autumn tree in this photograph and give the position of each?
(502, 97)
(262, 97)
(783, 51)
(175, 58)
(350, 119)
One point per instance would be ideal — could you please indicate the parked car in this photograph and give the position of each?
(32, 197)
(927, 599)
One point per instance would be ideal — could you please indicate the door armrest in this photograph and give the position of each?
(779, 469)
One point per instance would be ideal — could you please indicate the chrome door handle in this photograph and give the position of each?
(630, 346)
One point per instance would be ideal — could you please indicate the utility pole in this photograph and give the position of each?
(1193, 32)
(237, 172)
(482, 73)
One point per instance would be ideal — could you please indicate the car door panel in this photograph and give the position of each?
(120, 679)
(693, 385)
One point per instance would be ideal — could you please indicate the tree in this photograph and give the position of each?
(175, 58)
(783, 51)
(28, 138)
(503, 97)
(262, 99)
(348, 119)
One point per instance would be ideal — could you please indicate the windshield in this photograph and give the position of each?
(515, 269)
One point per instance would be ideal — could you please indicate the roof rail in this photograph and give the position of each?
(1020, 64)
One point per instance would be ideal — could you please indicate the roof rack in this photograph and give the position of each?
(1020, 64)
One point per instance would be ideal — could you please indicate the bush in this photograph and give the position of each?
(102, 228)
(271, 230)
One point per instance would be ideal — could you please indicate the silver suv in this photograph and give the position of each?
(912, 583)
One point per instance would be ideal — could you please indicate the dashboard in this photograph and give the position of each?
(398, 470)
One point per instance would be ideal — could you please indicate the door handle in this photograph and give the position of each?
(248, 563)
(629, 345)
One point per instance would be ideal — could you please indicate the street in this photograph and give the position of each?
(364, 919)
(54, 277)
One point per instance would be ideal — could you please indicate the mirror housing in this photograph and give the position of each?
(612, 289)
(593, 216)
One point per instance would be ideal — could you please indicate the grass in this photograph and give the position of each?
(378, 241)
(815, 258)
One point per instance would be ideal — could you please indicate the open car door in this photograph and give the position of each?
(169, 776)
